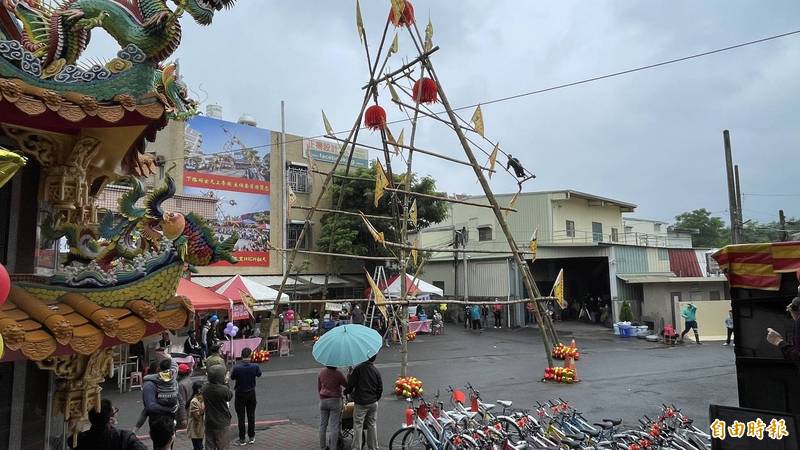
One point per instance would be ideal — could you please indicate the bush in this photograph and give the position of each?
(625, 314)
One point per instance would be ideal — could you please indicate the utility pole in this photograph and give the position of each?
(739, 211)
(732, 202)
(782, 218)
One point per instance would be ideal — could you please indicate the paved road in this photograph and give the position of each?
(621, 377)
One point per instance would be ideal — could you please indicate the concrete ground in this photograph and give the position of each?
(620, 378)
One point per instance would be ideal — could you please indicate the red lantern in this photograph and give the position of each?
(406, 18)
(5, 284)
(425, 91)
(375, 118)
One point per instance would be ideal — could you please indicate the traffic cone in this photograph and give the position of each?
(569, 363)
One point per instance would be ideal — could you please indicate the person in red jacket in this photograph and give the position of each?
(790, 351)
(497, 309)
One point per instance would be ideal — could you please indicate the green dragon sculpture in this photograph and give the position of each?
(138, 254)
(41, 42)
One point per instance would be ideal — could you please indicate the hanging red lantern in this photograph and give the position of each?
(5, 284)
(406, 18)
(375, 118)
(425, 91)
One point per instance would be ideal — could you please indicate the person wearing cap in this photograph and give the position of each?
(184, 394)
(790, 350)
(215, 358)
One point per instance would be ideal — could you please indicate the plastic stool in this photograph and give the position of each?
(136, 380)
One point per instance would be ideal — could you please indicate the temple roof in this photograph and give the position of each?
(36, 329)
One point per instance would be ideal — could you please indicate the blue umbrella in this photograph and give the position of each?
(347, 345)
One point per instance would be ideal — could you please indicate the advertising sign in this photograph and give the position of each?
(230, 162)
(327, 151)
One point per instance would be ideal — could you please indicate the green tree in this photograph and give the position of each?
(712, 231)
(348, 235)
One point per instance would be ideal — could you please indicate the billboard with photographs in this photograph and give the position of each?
(230, 162)
(327, 151)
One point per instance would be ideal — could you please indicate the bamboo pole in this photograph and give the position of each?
(336, 255)
(401, 69)
(416, 149)
(447, 199)
(347, 213)
(527, 278)
(413, 301)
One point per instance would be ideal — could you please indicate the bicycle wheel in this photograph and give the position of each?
(415, 440)
(510, 428)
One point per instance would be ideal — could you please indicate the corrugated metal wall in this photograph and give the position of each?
(533, 212)
(488, 278)
(441, 271)
(683, 263)
(657, 260)
(630, 259)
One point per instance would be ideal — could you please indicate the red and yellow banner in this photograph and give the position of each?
(758, 266)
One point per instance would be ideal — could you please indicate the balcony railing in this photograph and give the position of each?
(631, 238)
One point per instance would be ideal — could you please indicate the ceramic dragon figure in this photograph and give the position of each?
(41, 42)
(138, 254)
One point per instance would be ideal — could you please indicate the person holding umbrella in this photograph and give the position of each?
(356, 345)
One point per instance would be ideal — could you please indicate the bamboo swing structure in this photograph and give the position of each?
(400, 195)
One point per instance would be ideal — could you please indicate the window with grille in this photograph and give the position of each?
(597, 232)
(298, 179)
(484, 233)
(570, 228)
(293, 233)
(615, 235)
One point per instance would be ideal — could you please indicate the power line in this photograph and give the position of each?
(771, 195)
(562, 86)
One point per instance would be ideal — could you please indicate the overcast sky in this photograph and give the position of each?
(653, 138)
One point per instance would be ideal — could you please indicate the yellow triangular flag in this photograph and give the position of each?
(511, 204)
(381, 181)
(534, 244)
(380, 299)
(412, 213)
(360, 23)
(558, 289)
(428, 36)
(399, 143)
(398, 6)
(377, 235)
(292, 197)
(395, 46)
(328, 127)
(414, 252)
(477, 120)
(395, 97)
(493, 159)
(390, 138)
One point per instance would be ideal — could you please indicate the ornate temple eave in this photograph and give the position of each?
(37, 329)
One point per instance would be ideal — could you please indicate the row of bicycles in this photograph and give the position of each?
(469, 423)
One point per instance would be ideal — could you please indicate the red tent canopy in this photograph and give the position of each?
(202, 299)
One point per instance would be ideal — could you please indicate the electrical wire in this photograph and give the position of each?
(559, 86)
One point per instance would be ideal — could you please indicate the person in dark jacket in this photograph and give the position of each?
(216, 395)
(245, 374)
(162, 433)
(366, 387)
(790, 351)
(358, 315)
(184, 395)
(191, 346)
(160, 392)
(103, 435)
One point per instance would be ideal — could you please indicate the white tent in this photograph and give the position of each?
(414, 286)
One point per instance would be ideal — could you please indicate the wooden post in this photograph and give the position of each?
(734, 214)
(530, 285)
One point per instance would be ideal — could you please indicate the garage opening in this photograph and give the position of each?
(586, 283)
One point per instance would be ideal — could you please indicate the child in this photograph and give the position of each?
(436, 323)
(729, 326)
(160, 392)
(197, 408)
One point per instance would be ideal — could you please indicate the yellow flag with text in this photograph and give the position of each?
(534, 244)
(493, 159)
(412, 213)
(381, 181)
(292, 197)
(558, 289)
(477, 120)
(360, 22)
(380, 300)
(377, 235)
(328, 127)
